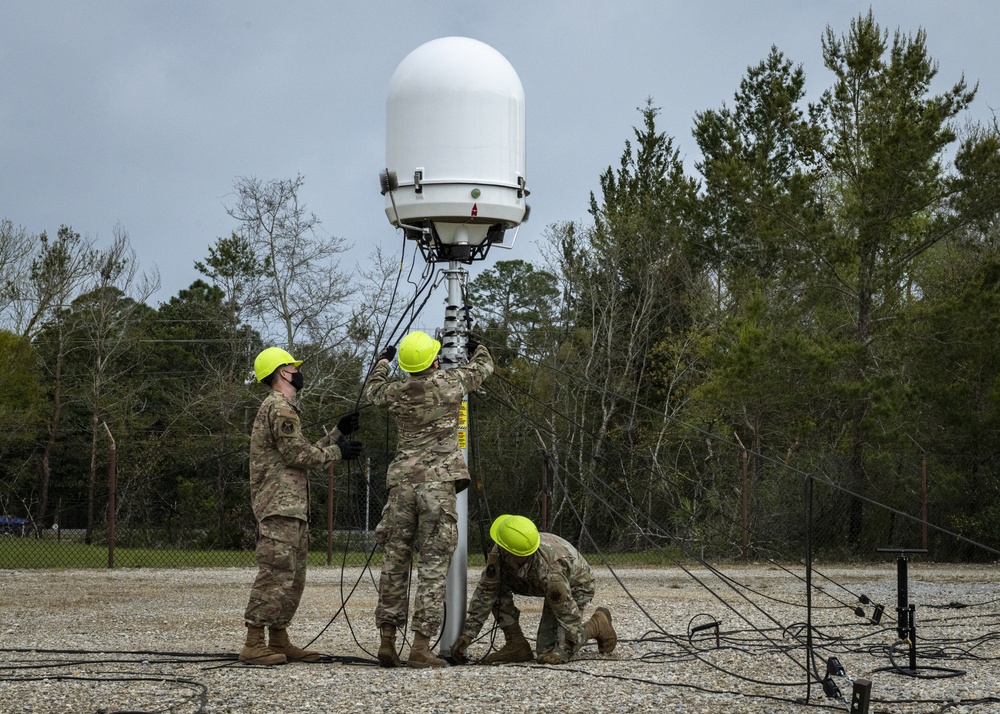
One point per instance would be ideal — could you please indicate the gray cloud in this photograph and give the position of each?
(143, 113)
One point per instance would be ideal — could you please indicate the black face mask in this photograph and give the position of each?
(296, 380)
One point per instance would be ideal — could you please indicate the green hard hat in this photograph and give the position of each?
(417, 352)
(269, 360)
(515, 534)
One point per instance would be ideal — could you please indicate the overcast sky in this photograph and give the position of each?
(144, 113)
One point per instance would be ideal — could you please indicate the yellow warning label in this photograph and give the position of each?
(463, 414)
(461, 438)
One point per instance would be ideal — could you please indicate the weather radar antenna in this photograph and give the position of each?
(455, 134)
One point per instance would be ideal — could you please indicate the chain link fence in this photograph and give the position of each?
(740, 505)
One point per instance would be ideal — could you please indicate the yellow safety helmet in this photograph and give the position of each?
(515, 534)
(269, 360)
(417, 352)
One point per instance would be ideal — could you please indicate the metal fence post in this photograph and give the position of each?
(112, 485)
(744, 502)
(923, 499)
(545, 491)
(329, 513)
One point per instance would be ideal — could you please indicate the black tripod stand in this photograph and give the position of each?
(906, 622)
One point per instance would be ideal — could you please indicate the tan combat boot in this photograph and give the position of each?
(421, 655)
(278, 641)
(387, 655)
(515, 648)
(255, 651)
(599, 628)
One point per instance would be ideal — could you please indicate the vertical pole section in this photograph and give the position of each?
(911, 635)
(744, 501)
(809, 570)
(112, 487)
(545, 492)
(902, 597)
(923, 501)
(544, 525)
(861, 696)
(745, 508)
(329, 513)
(452, 353)
(368, 494)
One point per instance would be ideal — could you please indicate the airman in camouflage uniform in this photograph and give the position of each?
(555, 571)
(280, 459)
(420, 513)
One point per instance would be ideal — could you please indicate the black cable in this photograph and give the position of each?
(764, 457)
(681, 685)
(583, 429)
(427, 280)
(592, 493)
(683, 547)
(200, 695)
(968, 703)
(690, 574)
(733, 583)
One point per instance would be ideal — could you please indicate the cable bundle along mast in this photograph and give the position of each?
(454, 183)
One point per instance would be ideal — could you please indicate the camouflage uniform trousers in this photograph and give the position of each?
(553, 636)
(282, 550)
(418, 517)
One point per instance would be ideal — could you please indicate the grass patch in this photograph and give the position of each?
(34, 554)
(31, 553)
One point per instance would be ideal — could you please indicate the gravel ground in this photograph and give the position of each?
(165, 641)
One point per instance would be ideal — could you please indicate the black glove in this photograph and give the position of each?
(349, 424)
(471, 345)
(388, 353)
(349, 450)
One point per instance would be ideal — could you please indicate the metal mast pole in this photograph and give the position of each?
(453, 340)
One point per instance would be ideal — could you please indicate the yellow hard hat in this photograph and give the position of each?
(417, 352)
(269, 360)
(515, 534)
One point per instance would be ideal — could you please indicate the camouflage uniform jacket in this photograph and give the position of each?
(280, 459)
(426, 409)
(555, 571)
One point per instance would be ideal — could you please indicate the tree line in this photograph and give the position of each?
(821, 295)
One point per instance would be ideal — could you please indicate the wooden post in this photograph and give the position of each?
(923, 498)
(112, 486)
(745, 507)
(544, 525)
(744, 502)
(545, 492)
(329, 513)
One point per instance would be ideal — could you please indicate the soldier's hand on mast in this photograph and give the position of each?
(349, 450)
(349, 424)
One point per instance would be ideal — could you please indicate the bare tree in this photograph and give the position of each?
(107, 312)
(15, 252)
(387, 297)
(39, 277)
(235, 270)
(303, 293)
(628, 284)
